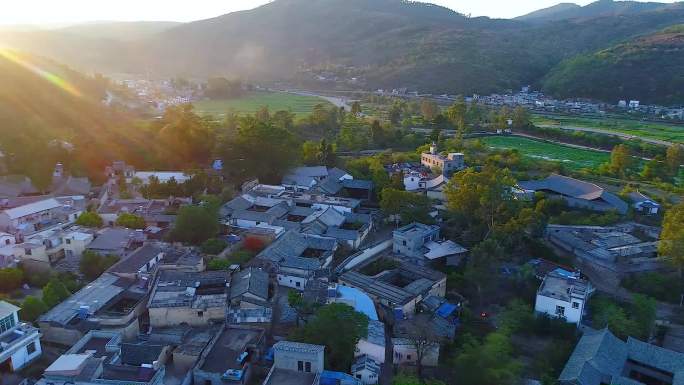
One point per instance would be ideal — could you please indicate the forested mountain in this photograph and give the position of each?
(49, 113)
(388, 43)
(600, 8)
(651, 67)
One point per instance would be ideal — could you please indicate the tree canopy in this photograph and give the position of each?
(339, 327)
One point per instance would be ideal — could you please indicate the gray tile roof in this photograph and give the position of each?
(293, 244)
(299, 347)
(139, 258)
(251, 280)
(342, 234)
(330, 186)
(574, 188)
(600, 357)
(313, 171)
(256, 216)
(357, 184)
(141, 353)
(336, 173)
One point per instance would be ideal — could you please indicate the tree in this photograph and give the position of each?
(408, 206)
(377, 134)
(429, 109)
(482, 262)
(54, 293)
(456, 113)
(326, 154)
(130, 221)
(655, 169)
(356, 108)
(213, 246)
(674, 158)
(483, 196)
(260, 150)
(195, 224)
(423, 339)
(621, 160)
(339, 327)
(92, 264)
(10, 279)
(89, 219)
(310, 153)
(521, 117)
(218, 264)
(643, 312)
(394, 113)
(222, 88)
(254, 244)
(32, 308)
(488, 363)
(671, 244)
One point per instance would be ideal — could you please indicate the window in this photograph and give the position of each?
(31, 348)
(28, 251)
(403, 243)
(200, 314)
(7, 241)
(299, 284)
(68, 241)
(7, 323)
(307, 367)
(560, 311)
(358, 376)
(575, 305)
(300, 366)
(408, 357)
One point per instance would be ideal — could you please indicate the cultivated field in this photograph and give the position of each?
(249, 104)
(572, 157)
(626, 127)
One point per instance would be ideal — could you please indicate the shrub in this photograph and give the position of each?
(214, 246)
(218, 264)
(32, 308)
(254, 244)
(130, 221)
(89, 219)
(92, 265)
(10, 279)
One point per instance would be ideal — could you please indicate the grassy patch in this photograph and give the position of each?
(572, 157)
(650, 130)
(380, 265)
(252, 102)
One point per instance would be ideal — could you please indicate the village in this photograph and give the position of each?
(317, 246)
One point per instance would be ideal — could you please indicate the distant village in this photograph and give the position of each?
(162, 315)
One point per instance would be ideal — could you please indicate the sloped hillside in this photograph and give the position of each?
(649, 68)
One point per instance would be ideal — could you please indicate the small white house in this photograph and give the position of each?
(405, 353)
(644, 204)
(366, 369)
(563, 296)
(19, 342)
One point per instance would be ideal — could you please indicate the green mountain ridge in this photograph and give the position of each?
(649, 68)
(389, 43)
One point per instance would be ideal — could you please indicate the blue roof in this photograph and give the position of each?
(361, 301)
(565, 273)
(329, 377)
(446, 309)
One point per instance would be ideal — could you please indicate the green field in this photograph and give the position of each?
(649, 130)
(249, 104)
(572, 157)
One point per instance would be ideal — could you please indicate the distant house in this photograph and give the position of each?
(400, 290)
(421, 241)
(644, 204)
(297, 258)
(140, 263)
(116, 241)
(19, 342)
(601, 358)
(230, 357)
(366, 369)
(449, 164)
(296, 363)
(195, 299)
(562, 296)
(249, 297)
(577, 193)
(40, 215)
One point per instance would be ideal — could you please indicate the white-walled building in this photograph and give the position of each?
(19, 342)
(562, 296)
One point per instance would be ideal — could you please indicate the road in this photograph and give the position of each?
(336, 101)
(608, 132)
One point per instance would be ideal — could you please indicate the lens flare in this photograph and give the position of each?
(49, 76)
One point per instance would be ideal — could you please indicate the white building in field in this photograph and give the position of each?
(562, 296)
(19, 342)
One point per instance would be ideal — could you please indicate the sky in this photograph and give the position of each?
(76, 11)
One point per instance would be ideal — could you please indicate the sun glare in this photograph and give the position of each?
(55, 79)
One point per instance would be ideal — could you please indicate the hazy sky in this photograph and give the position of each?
(69, 11)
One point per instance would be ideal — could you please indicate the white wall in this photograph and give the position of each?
(373, 351)
(406, 354)
(21, 357)
(548, 305)
(291, 281)
(367, 377)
